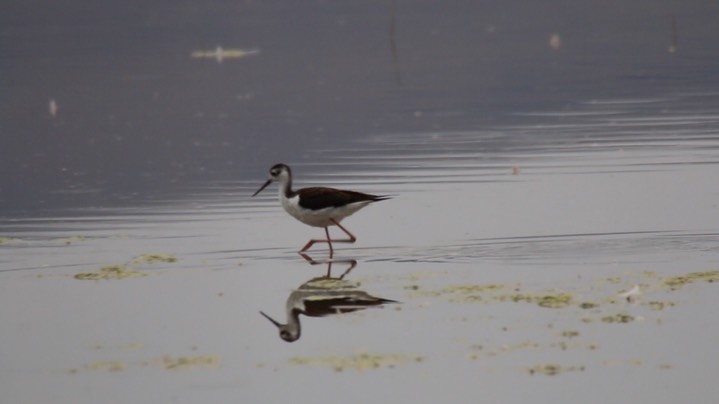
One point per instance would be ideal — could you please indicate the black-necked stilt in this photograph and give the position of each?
(318, 206)
(321, 297)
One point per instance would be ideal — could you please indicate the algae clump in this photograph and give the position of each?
(552, 369)
(659, 305)
(357, 362)
(110, 272)
(152, 258)
(498, 293)
(187, 362)
(618, 318)
(555, 301)
(108, 365)
(123, 271)
(570, 334)
(676, 282)
(4, 240)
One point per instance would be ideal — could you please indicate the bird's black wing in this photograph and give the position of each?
(320, 197)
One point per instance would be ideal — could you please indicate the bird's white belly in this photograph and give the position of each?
(319, 218)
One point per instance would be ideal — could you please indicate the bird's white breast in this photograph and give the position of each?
(321, 217)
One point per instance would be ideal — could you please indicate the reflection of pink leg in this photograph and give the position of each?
(351, 262)
(329, 241)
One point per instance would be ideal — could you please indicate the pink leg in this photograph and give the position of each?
(351, 236)
(310, 243)
(329, 241)
(313, 241)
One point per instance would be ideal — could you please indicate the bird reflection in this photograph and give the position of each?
(324, 296)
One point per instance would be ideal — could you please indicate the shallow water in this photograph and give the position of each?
(509, 239)
(585, 221)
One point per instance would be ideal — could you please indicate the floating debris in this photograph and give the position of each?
(53, 108)
(357, 362)
(221, 54)
(675, 36)
(73, 239)
(632, 295)
(555, 41)
(110, 272)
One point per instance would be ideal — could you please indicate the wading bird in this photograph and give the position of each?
(318, 206)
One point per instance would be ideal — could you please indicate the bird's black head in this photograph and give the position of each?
(278, 169)
(278, 173)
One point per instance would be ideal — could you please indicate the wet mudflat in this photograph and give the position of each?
(549, 238)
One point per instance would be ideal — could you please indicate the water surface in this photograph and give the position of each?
(532, 184)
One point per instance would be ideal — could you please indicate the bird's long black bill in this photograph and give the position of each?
(263, 187)
(270, 318)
